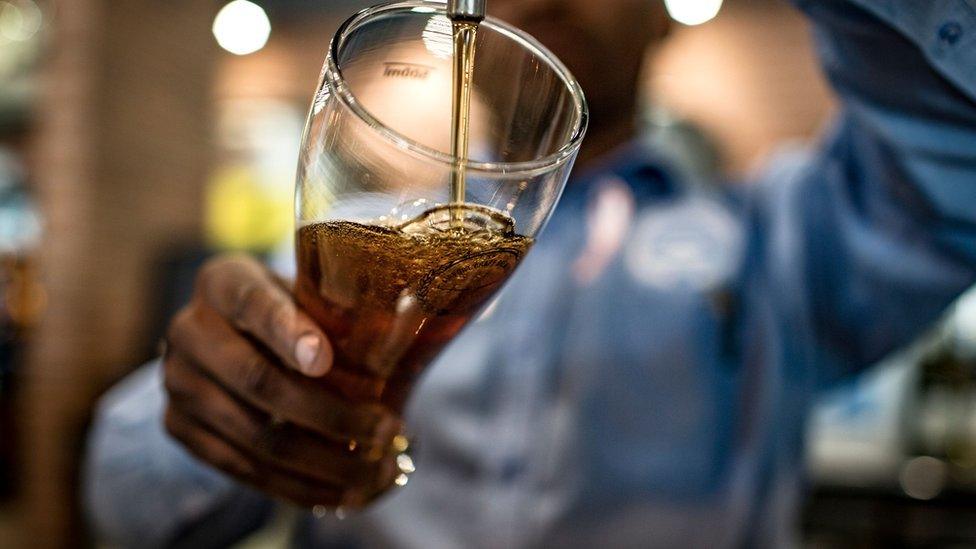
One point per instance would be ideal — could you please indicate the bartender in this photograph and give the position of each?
(644, 379)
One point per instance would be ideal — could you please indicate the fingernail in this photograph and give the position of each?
(306, 351)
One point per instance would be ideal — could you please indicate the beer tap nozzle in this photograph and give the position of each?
(466, 10)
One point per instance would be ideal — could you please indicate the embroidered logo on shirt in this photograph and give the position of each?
(693, 243)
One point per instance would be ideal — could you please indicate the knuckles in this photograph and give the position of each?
(180, 329)
(276, 444)
(271, 440)
(259, 377)
(229, 279)
(210, 272)
(172, 380)
(234, 465)
(279, 320)
(173, 427)
(220, 267)
(246, 302)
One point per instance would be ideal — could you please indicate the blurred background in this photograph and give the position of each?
(137, 137)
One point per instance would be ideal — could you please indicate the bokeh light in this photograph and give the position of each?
(693, 12)
(19, 20)
(242, 27)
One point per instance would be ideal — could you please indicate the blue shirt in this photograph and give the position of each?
(644, 379)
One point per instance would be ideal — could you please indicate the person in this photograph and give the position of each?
(644, 378)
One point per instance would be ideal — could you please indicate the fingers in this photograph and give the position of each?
(262, 440)
(212, 449)
(238, 402)
(249, 297)
(204, 341)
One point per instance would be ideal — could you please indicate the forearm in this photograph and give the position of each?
(910, 88)
(877, 235)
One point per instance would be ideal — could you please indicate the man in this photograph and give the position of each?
(644, 379)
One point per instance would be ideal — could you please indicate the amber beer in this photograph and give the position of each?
(391, 297)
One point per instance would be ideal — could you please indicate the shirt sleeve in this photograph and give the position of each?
(142, 489)
(866, 245)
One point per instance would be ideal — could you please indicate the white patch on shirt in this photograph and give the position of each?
(693, 244)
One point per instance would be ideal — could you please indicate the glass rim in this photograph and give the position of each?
(337, 85)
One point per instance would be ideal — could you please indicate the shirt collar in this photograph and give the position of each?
(644, 169)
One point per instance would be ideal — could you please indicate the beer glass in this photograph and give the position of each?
(388, 265)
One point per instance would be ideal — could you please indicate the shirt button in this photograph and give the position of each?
(950, 32)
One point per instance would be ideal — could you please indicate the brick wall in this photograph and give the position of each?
(120, 153)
